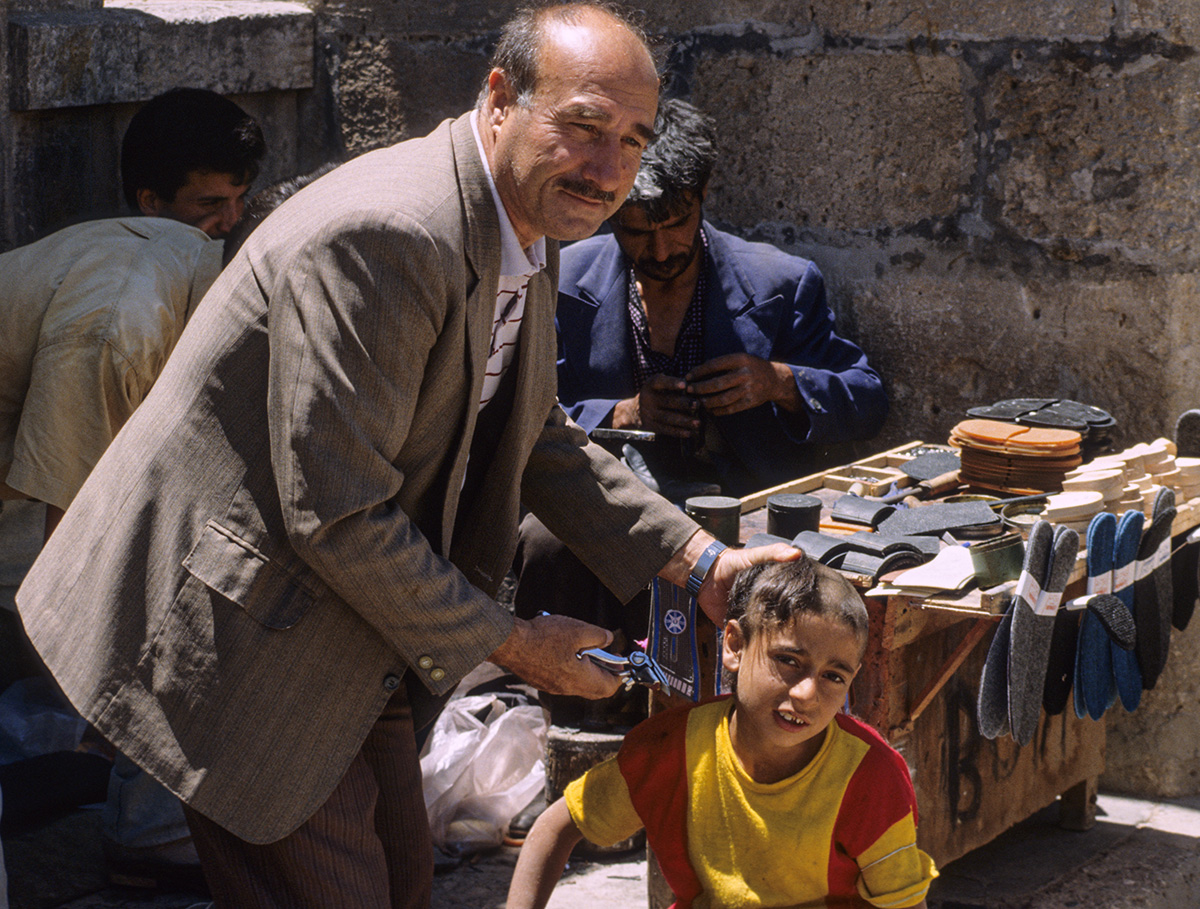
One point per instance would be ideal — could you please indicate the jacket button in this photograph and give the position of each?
(391, 682)
(425, 662)
(437, 674)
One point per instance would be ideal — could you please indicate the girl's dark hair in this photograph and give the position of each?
(770, 594)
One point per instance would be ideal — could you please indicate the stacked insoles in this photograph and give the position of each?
(1009, 458)
(1093, 424)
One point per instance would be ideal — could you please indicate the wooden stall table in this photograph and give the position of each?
(918, 687)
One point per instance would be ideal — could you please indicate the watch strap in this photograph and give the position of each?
(700, 570)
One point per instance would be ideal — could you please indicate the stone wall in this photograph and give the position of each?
(75, 71)
(1003, 194)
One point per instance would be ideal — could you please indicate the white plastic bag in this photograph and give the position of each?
(483, 763)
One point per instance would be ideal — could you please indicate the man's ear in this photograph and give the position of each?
(149, 202)
(499, 98)
(733, 646)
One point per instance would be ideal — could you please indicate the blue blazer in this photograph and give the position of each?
(760, 301)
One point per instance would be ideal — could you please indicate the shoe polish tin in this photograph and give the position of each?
(789, 514)
(719, 515)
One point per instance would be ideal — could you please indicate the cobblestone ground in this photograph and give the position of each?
(483, 882)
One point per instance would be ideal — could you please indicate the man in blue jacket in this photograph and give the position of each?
(724, 349)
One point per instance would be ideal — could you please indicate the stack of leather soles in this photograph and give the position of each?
(1093, 424)
(1019, 460)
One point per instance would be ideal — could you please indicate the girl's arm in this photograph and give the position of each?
(543, 858)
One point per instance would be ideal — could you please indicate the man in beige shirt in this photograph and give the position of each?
(90, 316)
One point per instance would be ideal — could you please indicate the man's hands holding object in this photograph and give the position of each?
(722, 386)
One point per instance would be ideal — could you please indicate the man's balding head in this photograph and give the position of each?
(567, 111)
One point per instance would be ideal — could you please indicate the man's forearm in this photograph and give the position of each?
(789, 392)
(713, 596)
(677, 569)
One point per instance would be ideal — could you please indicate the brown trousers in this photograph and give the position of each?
(367, 847)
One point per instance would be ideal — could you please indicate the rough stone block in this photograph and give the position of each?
(1101, 153)
(1176, 20)
(132, 50)
(948, 335)
(1181, 384)
(1165, 727)
(854, 141)
(420, 19)
(982, 19)
(705, 15)
(392, 90)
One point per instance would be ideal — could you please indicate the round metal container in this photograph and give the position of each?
(719, 515)
(788, 514)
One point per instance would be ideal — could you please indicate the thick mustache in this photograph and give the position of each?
(586, 189)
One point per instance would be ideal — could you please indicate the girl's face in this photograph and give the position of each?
(791, 682)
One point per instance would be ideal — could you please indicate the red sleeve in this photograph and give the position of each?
(879, 793)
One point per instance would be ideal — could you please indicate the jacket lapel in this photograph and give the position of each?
(602, 287)
(731, 308)
(481, 247)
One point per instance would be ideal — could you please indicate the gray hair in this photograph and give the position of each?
(677, 165)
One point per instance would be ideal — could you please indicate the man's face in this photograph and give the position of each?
(566, 162)
(659, 250)
(208, 200)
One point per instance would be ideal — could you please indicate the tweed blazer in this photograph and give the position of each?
(277, 536)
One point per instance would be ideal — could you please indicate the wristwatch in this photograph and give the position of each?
(700, 570)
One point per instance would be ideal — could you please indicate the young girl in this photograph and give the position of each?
(771, 797)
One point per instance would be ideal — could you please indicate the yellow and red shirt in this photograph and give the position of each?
(840, 833)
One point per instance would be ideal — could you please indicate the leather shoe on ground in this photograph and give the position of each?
(520, 826)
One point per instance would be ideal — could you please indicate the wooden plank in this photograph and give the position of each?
(972, 637)
(1077, 810)
(816, 480)
(971, 789)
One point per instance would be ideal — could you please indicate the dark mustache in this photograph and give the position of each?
(586, 189)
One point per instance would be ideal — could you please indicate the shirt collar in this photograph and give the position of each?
(514, 260)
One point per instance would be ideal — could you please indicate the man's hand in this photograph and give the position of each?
(544, 651)
(662, 406)
(740, 381)
(714, 592)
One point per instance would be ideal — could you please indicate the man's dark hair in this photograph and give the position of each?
(265, 201)
(183, 130)
(516, 53)
(678, 163)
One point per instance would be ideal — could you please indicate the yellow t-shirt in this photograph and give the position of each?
(842, 831)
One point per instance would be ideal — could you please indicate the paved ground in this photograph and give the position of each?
(1140, 854)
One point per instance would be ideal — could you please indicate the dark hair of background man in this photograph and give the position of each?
(677, 165)
(184, 130)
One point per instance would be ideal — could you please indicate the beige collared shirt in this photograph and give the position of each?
(90, 315)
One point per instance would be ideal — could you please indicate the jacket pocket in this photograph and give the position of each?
(238, 571)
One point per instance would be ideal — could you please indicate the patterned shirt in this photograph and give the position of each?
(689, 343)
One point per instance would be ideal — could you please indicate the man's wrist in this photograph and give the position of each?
(704, 564)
